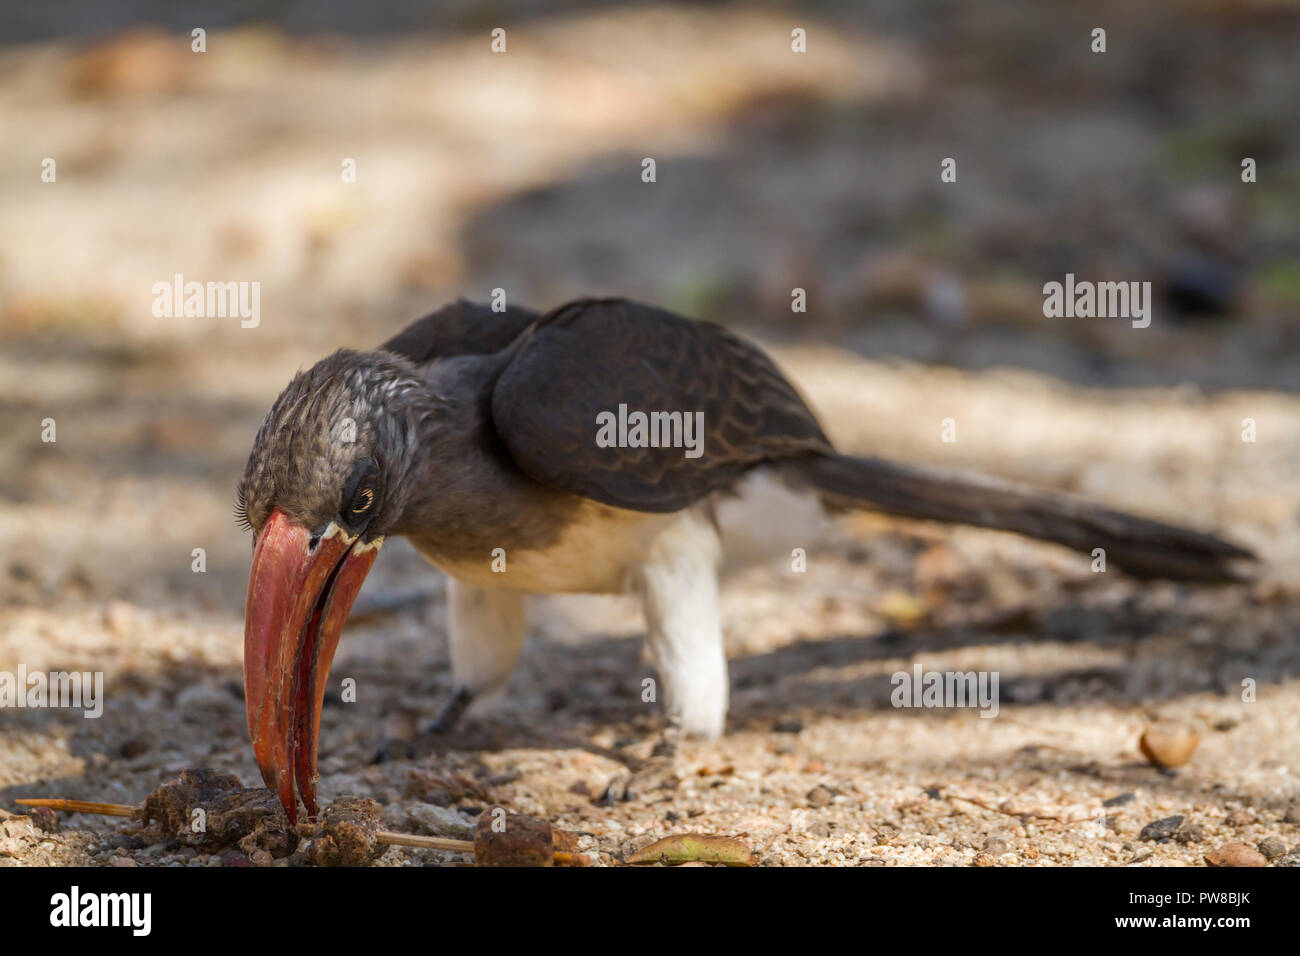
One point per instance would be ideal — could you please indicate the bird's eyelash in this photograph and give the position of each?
(241, 511)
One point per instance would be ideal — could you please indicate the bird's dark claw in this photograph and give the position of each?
(666, 745)
(393, 750)
(656, 772)
(451, 712)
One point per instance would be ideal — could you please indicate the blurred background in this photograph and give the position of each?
(522, 171)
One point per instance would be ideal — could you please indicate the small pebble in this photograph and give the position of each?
(1292, 814)
(1161, 829)
(441, 821)
(820, 796)
(1167, 745)
(1272, 847)
(995, 846)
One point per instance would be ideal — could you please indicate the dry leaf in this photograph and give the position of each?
(691, 847)
(1236, 854)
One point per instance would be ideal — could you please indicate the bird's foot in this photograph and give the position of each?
(656, 772)
(451, 713)
(666, 746)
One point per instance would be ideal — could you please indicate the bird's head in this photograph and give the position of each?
(322, 487)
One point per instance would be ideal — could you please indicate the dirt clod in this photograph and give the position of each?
(347, 835)
(209, 810)
(512, 839)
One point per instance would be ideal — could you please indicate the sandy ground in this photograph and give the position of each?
(817, 767)
(154, 417)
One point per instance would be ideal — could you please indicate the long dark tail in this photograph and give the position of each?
(1142, 548)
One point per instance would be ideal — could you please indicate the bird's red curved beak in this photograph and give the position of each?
(298, 598)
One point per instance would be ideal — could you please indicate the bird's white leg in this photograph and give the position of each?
(678, 583)
(486, 629)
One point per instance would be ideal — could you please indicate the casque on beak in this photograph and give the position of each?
(299, 594)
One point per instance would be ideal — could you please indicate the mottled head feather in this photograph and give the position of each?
(346, 408)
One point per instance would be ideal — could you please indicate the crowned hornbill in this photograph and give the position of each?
(475, 430)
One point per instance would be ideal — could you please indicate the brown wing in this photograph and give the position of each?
(589, 357)
(461, 328)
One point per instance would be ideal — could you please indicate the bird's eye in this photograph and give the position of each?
(361, 494)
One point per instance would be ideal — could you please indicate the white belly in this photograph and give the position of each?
(594, 555)
(760, 519)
